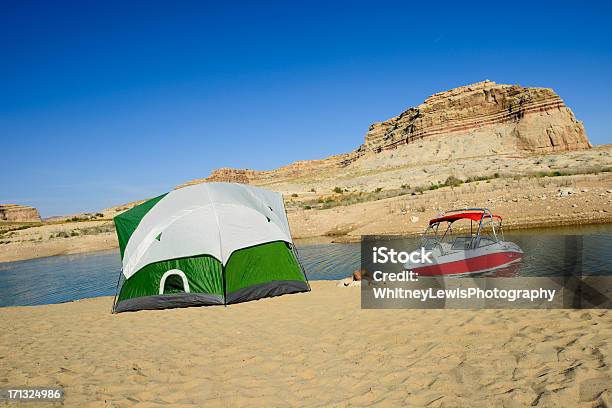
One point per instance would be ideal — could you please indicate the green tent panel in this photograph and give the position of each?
(261, 271)
(208, 244)
(204, 275)
(126, 223)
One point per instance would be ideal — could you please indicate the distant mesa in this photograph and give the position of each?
(480, 119)
(223, 175)
(18, 213)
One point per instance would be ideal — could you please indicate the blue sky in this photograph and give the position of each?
(106, 103)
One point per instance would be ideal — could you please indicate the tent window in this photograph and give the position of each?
(173, 281)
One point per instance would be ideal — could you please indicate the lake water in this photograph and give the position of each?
(65, 278)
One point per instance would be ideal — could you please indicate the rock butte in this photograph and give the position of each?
(18, 213)
(474, 120)
(536, 117)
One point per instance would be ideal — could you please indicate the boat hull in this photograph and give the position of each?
(465, 265)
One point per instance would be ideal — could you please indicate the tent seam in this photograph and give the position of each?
(214, 210)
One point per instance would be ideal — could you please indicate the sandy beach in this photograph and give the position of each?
(310, 349)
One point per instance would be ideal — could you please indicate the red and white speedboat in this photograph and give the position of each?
(478, 248)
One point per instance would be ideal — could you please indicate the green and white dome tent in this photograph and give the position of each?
(206, 244)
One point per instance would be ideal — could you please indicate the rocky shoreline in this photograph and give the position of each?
(524, 203)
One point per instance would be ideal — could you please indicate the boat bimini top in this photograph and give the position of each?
(480, 217)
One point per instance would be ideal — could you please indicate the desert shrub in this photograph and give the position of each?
(294, 195)
(378, 189)
(338, 190)
(555, 173)
(472, 179)
(453, 181)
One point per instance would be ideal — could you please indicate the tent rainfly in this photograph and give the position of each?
(206, 244)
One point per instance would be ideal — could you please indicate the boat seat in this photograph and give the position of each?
(462, 243)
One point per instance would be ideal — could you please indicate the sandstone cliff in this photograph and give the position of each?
(224, 174)
(18, 213)
(483, 120)
(301, 168)
(535, 118)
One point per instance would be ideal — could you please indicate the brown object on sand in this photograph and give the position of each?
(361, 274)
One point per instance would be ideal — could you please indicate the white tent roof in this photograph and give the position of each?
(206, 219)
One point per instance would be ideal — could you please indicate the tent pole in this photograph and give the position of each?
(116, 291)
(294, 248)
(224, 285)
(297, 256)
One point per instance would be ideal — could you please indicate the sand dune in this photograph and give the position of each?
(312, 349)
